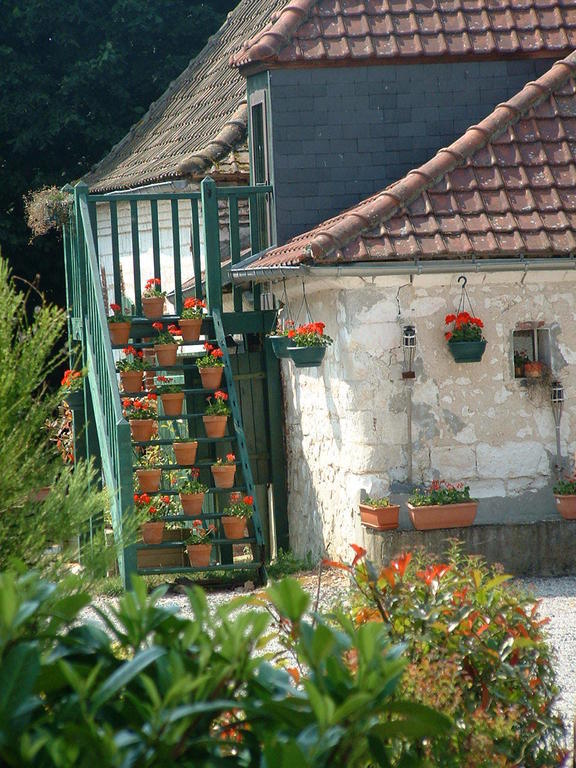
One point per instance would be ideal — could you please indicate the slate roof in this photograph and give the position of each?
(197, 123)
(505, 189)
(335, 31)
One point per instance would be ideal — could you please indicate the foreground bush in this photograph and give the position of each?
(477, 653)
(158, 690)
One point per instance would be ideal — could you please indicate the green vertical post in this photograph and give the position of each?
(80, 312)
(212, 240)
(277, 457)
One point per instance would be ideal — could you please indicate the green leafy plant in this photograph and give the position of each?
(240, 506)
(153, 688)
(477, 652)
(190, 483)
(225, 461)
(309, 335)
(140, 407)
(565, 487)
(440, 492)
(376, 503)
(217, 404)
(193, 309)
(198, 534)
(151, 456)
(464, 327)
(152, 289)
(47, 208)
(212, 358)
(165, 385)
(118, 316)
(168, 335)
(72, 381)
(148, 508)
(134, 360)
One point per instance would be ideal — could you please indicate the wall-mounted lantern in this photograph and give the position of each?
(557, 401)
(409, 350)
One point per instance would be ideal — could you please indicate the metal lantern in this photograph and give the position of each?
(409, 350)
(557, 400)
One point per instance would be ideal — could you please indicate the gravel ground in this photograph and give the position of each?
(558, 603)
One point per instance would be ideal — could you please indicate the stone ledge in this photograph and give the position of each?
(545, 548)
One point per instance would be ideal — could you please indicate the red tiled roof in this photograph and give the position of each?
(334, 31)
(506, 188)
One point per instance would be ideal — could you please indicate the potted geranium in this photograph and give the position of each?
(379, 514)
(198, 544)
(235, 516)
(308, 345)
(216, 414)
(465, 340)
(119, 326)
(148, 473)
(211, 367)
(149, 510)
(171, 395)
(191, 319)
(192, 493)
(223, 471)
(131, 368)
(166, 343)
(520, 360)
(153, 298)
(72, 388)
(565, 496)
(442, 505)
(141, 413)
(185, 450)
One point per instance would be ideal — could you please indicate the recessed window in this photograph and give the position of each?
(531, 344)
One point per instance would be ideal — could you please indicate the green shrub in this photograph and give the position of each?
(158, 690)
(477, 653)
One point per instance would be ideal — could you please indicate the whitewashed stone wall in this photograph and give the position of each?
(346, 421)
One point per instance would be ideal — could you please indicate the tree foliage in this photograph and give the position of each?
(74, 76)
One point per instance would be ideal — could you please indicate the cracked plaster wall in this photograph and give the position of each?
(346, 421)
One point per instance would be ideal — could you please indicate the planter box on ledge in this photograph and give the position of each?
(379, 518)
(437, 516)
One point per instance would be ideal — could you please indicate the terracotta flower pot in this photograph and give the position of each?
(149, 479)
(153, 532)
(172, 403)
(533, 370)
(234, 527)
(435, 516)
(131, 381)
(119, 333)
(166, 354)
(199, 554)
(215, 426)
(142, 429)
(191, 329)
(566, 506)
(185, 452)
(223, 475)
(379, 518)
(153, 306)
(192, 503)
(211, 377)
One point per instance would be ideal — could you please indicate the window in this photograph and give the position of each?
(260, 169)
(531, 343)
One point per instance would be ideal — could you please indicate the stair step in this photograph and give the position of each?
(250, 565)
(180, 544)
(190, 518)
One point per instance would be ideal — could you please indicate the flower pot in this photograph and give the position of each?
(306, 357)
(149, 479)
(234, 527)
(75, 400)
(280, 346)
(153, 306)
(215, 426)
(533, 370)
(435, 516)
(211, 377)
(119, 333)
(379, 518)
(185, 452)
(172, 403)
(150, 358)
(131, 381)
(223, 475)
(192, 503)
(191, 329)
(566, 506)
(166, 354)
(199, 554)
(142, 429)
(152, 533)
(467, 351)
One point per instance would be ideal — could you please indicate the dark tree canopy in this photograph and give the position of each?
(74, 76)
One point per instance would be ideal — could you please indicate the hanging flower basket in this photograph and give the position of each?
(306, 357)
(280, 346)
(464, 335)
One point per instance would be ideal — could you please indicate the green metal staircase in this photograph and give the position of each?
(106, 433)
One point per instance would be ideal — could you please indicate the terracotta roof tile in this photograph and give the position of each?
(506, 188)
(305, 31)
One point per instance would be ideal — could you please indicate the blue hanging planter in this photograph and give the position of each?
(467, 351)
(280, 346)
(307, 357)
